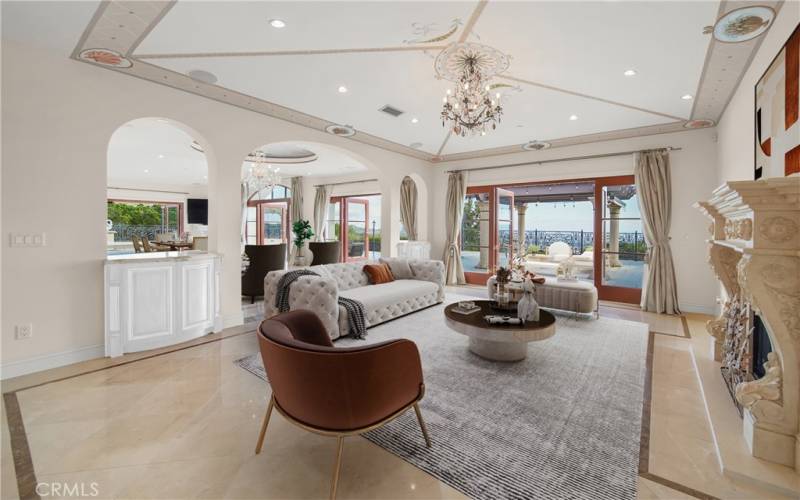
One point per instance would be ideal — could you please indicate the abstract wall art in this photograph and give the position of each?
(777, 105)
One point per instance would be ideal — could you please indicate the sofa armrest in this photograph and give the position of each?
(429, 270)
(316, 293)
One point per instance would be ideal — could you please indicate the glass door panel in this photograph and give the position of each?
(620, 248)
(504, 227)
(170, 219)
(356, 215)
(273, 223)
(476, 236)
(333, 221)
(251, 231)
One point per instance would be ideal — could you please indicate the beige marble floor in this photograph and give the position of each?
(183, 425)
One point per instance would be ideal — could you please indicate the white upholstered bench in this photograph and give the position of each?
(575, 296)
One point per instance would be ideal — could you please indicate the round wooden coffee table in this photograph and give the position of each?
(499, 342)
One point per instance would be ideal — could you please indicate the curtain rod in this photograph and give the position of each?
(555, 160)
(348, 182)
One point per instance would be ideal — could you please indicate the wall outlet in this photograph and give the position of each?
(22, 332)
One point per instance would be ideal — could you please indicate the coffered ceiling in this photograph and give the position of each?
(567, 58)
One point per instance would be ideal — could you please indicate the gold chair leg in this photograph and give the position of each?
(422, 426)
(264, 426)
(337, 465)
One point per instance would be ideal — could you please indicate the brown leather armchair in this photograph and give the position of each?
(336, 391)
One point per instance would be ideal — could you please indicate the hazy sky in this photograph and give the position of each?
(557, 217)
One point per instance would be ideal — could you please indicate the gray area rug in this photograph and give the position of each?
(564, 423)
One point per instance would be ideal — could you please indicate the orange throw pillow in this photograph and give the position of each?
(379, 273)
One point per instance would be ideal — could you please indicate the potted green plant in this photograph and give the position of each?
(302, 232)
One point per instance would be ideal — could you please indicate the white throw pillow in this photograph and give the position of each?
(399, 267)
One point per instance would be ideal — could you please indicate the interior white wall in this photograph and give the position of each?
(75, 107)
(736, 129)
(693, 177)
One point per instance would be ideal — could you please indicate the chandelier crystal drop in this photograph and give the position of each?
(470, 108)
(261, 174)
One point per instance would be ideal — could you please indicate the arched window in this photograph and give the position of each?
(279, 192)
(268, 216)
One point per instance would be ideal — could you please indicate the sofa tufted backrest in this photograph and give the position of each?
(348, 275)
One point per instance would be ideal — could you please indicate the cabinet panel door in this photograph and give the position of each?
(150, 305)
(197, 312)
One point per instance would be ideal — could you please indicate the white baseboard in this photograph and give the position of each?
(48, 361)
(235, 319)
(698, 308)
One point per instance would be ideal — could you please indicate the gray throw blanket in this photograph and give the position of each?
(356, 321)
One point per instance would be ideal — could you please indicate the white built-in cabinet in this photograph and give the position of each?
(159, 299)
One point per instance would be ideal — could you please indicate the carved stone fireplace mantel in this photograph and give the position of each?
(754, 250)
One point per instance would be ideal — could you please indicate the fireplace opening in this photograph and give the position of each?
(761, 346)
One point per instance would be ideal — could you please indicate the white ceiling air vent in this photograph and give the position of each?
(415, 145)
(391, 110)
(202, 76)
(535, 146)
(341, 130)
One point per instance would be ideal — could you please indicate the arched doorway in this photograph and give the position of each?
(157, 188)
(327, 186)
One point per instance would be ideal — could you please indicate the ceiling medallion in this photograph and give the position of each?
(341, 130)
(742, 24)
(470, 108)
(105, 57)
(703, 123)
(535, 146)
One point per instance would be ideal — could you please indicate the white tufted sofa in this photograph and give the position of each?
(381, 302)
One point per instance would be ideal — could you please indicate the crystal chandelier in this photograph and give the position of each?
(471, 108)
(261, 174)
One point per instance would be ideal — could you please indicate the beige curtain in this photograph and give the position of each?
(245, 190)
(321, 201)
(295, 214)
(654, 187)
(408, 207)
(456, 191)
(297, 200)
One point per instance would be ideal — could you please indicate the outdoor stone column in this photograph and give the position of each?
(521, 209)
(613, 245)
(483, 229)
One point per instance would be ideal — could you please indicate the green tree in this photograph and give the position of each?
(136, 215)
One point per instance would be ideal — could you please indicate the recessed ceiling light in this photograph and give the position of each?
(277, 23)
(630, 72)
(160, 156)
(146, 171)
(342, 89)
(687, 97)
(573, 117)
(414, 120)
